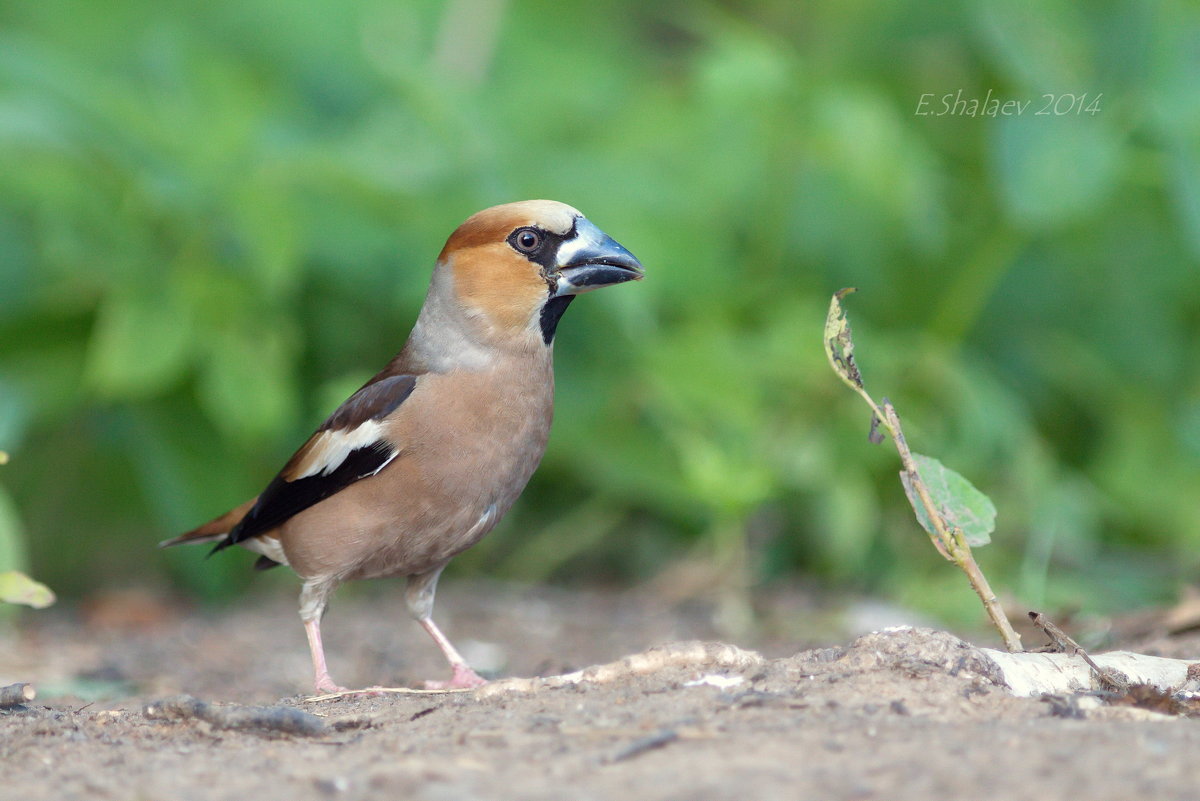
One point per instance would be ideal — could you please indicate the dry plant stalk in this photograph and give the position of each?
(949, 539)
(1108, 677)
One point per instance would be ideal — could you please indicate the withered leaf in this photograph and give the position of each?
(839, 347)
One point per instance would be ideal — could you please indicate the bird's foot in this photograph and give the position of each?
(326, 686)
(463, 679)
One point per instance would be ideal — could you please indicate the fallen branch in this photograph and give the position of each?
(276, 719)
(698, 655)
(16, 695)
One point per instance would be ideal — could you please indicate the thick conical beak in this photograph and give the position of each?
(592, 259)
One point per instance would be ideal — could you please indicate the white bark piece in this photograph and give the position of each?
(1032, 674)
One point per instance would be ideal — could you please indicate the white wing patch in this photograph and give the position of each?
(269, 547)
(330, 448)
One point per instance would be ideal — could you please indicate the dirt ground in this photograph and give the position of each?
(900, 714)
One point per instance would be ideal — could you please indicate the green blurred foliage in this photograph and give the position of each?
(216, 219)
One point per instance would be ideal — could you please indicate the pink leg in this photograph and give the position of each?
(462, 676)
(323, 682)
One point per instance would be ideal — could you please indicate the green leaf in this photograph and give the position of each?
(961, 505)
(18, 588)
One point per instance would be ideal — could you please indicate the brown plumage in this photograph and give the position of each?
(429, 455)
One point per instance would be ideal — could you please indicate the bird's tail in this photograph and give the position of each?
(214, 529)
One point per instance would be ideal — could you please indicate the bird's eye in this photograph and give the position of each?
(527, 240)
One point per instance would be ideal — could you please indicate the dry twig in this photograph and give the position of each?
(367, 692)
(1109, 678)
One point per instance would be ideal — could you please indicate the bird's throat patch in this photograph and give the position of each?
(551, 313)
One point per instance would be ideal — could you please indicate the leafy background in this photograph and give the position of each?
(217, 219)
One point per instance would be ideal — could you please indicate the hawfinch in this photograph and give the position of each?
(423, 460)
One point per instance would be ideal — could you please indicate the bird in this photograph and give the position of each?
(428, 455)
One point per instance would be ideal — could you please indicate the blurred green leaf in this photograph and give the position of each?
(247, 384)
(267, 232)
(960, 504)
(849, 517)
(141, 343)
(216, 222)
(13, 555)
(1185, 172)
(868, 146)
(15, 414)
(1041, 45)
(1052, 169)
(17, 588)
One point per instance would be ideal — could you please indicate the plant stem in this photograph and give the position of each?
(950, 541)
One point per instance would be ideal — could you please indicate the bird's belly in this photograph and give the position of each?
(434, 501)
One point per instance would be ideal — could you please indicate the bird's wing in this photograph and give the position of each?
(349, 446)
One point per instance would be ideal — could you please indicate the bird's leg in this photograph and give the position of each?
(314, 597)
(462, 676)
(419, 597)
(321, 678)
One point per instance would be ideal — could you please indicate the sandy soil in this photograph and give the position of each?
(894, 715)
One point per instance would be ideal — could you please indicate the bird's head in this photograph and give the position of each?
(515, 268)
